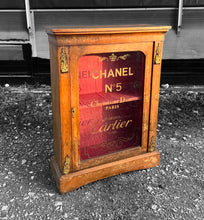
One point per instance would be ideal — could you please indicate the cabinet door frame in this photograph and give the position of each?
(75, 53)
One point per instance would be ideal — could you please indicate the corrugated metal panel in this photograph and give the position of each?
(189, 45)
(42, 4)
(96, 18)
(10, 4)
(13, 26)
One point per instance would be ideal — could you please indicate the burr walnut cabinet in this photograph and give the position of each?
(105, 91)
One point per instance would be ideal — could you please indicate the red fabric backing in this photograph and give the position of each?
(110, 104)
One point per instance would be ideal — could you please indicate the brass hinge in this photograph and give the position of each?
(157, 59)
(63, 60)
(66, 168)
(152, 146)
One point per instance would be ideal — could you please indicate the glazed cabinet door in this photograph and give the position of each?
(110, 100)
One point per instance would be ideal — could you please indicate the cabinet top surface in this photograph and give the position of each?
(110, 29)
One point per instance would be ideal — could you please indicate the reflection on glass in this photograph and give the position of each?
(110, 102)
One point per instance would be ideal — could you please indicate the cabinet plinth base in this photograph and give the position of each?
(72, 181)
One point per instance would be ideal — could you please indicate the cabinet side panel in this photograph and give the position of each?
(157, 58)
(55, 103)
(146, 98)
(65, 108)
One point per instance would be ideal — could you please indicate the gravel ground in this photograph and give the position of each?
(173, 190)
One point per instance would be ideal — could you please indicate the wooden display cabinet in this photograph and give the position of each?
(105, 91)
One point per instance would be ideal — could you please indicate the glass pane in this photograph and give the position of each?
(110, 102)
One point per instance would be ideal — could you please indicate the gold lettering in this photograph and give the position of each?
(114, 124)
(93, 76)
(103, 74)
(122, 124)
(118, 72)
(118, 125)
(107, 87)
(94, 103)
(101, 129)
(118, 87)
(110, 73)
(125, 71)
(112, 107)
(130, 74)
(122, 99)
(128, 122)
(92, 130)
(105, 127)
